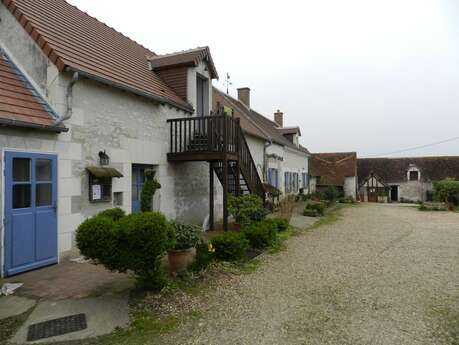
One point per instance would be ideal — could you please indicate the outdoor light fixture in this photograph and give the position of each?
(104, 159)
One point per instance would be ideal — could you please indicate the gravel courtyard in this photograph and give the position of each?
(383, 274)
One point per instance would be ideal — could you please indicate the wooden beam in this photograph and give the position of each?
(225, 194)
(211, 196)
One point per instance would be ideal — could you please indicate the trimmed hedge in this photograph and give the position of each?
(230, 246)
(134, 243)
(113, 213)
(246, 208)
(281, 224)
(310, 213)
(261, 235)
(318, 206)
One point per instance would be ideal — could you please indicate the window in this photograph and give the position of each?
(287, 182)
(414, 175)
(305, 181)
(273, 177)
(295, 182)
(291, 182)
(201, 96)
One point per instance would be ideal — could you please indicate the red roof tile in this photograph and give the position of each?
(252, 122)
(20, 104)
(73, 39)
(190, 57)
(333, 168)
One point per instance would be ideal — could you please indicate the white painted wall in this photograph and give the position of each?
(132, 129)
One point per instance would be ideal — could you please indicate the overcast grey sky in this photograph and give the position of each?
(356, 75)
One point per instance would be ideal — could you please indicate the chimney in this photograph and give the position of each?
(243, 94)
(279, 118)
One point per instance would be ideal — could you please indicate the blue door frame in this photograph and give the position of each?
(30, 211)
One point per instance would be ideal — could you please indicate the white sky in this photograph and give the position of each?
(356, 75)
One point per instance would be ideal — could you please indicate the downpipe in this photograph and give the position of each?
(69, 99)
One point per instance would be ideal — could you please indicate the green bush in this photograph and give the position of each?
(310, 213)
(331, 193)
(346, 200)
(148, 191)
(281, 224)
(97, 238)
(230, 246)
(135, 243)
(318, 206)
(113, 213)
(261, 234)
(447, 190)
(246, 208)
(186, 235)
(204, 256)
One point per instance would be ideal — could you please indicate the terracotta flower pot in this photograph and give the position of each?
(237, 227)
(179, 260)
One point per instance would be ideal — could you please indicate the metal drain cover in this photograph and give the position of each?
(52, 328)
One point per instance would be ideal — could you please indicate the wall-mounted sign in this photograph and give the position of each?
(96, 192)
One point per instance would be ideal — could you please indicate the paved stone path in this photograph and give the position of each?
(370, 279)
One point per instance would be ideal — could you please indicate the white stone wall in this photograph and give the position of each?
(350, 186)
(413, 190)
(132, 129)
(256, 146)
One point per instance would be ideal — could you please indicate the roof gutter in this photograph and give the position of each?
(21, 124)
(158, 99)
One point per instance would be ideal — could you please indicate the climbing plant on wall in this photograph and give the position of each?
(148, 191)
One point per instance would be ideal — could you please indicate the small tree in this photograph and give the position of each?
(148, 191)
(447, 191)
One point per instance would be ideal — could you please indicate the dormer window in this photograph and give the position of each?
(414, 175)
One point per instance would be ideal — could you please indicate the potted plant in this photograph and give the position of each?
(183, 252)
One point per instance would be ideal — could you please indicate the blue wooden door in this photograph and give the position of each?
(138, 178)
(30, 211)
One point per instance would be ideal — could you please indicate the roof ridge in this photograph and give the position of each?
(192, 50)
(105, 24)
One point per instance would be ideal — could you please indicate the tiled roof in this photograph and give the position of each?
(20, 104)
(333, 167)
(190, 57)
(73, 39)
(290, 130)
(393, 170)
(253, 122)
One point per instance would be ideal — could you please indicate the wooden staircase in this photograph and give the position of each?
(219, 140)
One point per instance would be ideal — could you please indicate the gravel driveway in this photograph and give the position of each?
(377, 276)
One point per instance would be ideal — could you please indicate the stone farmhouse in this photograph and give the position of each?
(85, 112)
(276, 150)
(337, 169)
(403, 179)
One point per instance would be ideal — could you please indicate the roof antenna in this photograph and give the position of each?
(228, 82)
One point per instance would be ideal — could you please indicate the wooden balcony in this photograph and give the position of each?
(206, 138)
(219, 140)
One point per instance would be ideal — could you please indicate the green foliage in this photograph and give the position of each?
(331, 193)
(281, 224)
(246, 208)
(146, 195)
(97, 238)
(113, 213)
(346, 200)
(318, 206)
(261, 234)
(230, 246)
(447, 190)
(310, 213)
(204, 256)
(186, 235)
(134, 243)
